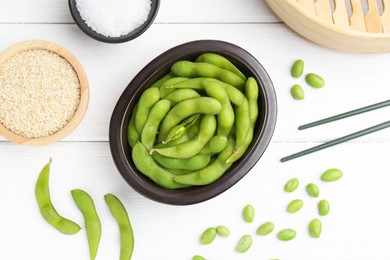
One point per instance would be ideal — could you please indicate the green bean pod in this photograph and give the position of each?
(186, 108)
(179, 95)
(194, 163)
(132, 134)
(49, 213)
(220, 61)
(225, 119)
(157, 113)
(165, 90)
(215, 145)
(93, 226)
(146, 165)
(235, 95)
(191, 148)
(210, 173)
(252, 93)
(145, 103)
(119, 212)
(243, 123)
(190, 69)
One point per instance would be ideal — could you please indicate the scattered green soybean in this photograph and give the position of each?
(223, 231)
(49, 213)
(119, 212)
(295, 206)
(244, 243)
(198, 257)
(313, 190)
(297, 68)
(208, 236)
(315, 80)
(287, 234)
(332, 175)
(323, 207)
(248, 213)
(297, 92)
(315, 228)
(265, 229)
(291, 185)
(93, 226)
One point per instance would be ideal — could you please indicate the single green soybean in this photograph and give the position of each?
(313, 190)
(223, 231)
(265, 229)
(49, 213)
(297, 68)
(248, 213)
(244, 243)
(287, 234)
(208, 236)
(315, 228)
(198, 257)
(297, 92)
(291, 185)
(323, 207)
(315, 80)
(119, 212)
(332, 175)
(93, 226)
(295, 206)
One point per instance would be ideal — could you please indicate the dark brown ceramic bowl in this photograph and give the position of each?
(121, 152)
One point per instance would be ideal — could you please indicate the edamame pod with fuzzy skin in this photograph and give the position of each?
(235, 95)
(202, 105)
(161, 81)
(92, 222)
(119, 212)
(220, 61)
(149, 131)
(178, 131)
(210, 173)
(145, 103)
(191, 148)
(179, 95)
(49, 213)
(146, 165)
(132, 134)
(190, 69)
(215, 145)
(165, 90)
(242, 123)
(194, 163)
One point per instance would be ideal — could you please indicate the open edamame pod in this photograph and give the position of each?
(119, 212)
(92, 222)
(49, 213)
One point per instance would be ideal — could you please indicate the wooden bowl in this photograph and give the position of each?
(84, 91)
(344, 25)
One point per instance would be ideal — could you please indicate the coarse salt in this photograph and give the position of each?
(114, 18)
(39, 93)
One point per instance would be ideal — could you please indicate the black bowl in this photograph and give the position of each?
(124, 38)
(121, 152)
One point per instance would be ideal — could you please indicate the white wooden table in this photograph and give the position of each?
(358, 224)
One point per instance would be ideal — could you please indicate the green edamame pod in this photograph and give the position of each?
(156, 114)
(119, 212)
(179, 95)
(210, 173)
(190, 69)
(194, 163)
(243, 123)
(132, 134)
(145, 103)
(225, 119)
(179, 130)
(252, 94)
(165, 90)
(215, 145)
(161, 81)
(186, 108)
(146, 165)
(221, 62)
(191, 148)
(244, 147)
(49, 213)
(235, 95)
(93, 226)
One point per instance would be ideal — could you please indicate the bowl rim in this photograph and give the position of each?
(84, 91)
(155, 4)
(188, 196)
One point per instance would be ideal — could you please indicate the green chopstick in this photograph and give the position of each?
(337, 141)
(346, 114)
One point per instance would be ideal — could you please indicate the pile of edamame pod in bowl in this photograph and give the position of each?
(192, 124)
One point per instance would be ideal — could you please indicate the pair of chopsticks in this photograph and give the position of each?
(344, 138)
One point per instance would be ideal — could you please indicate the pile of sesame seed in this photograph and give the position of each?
(39, 93)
